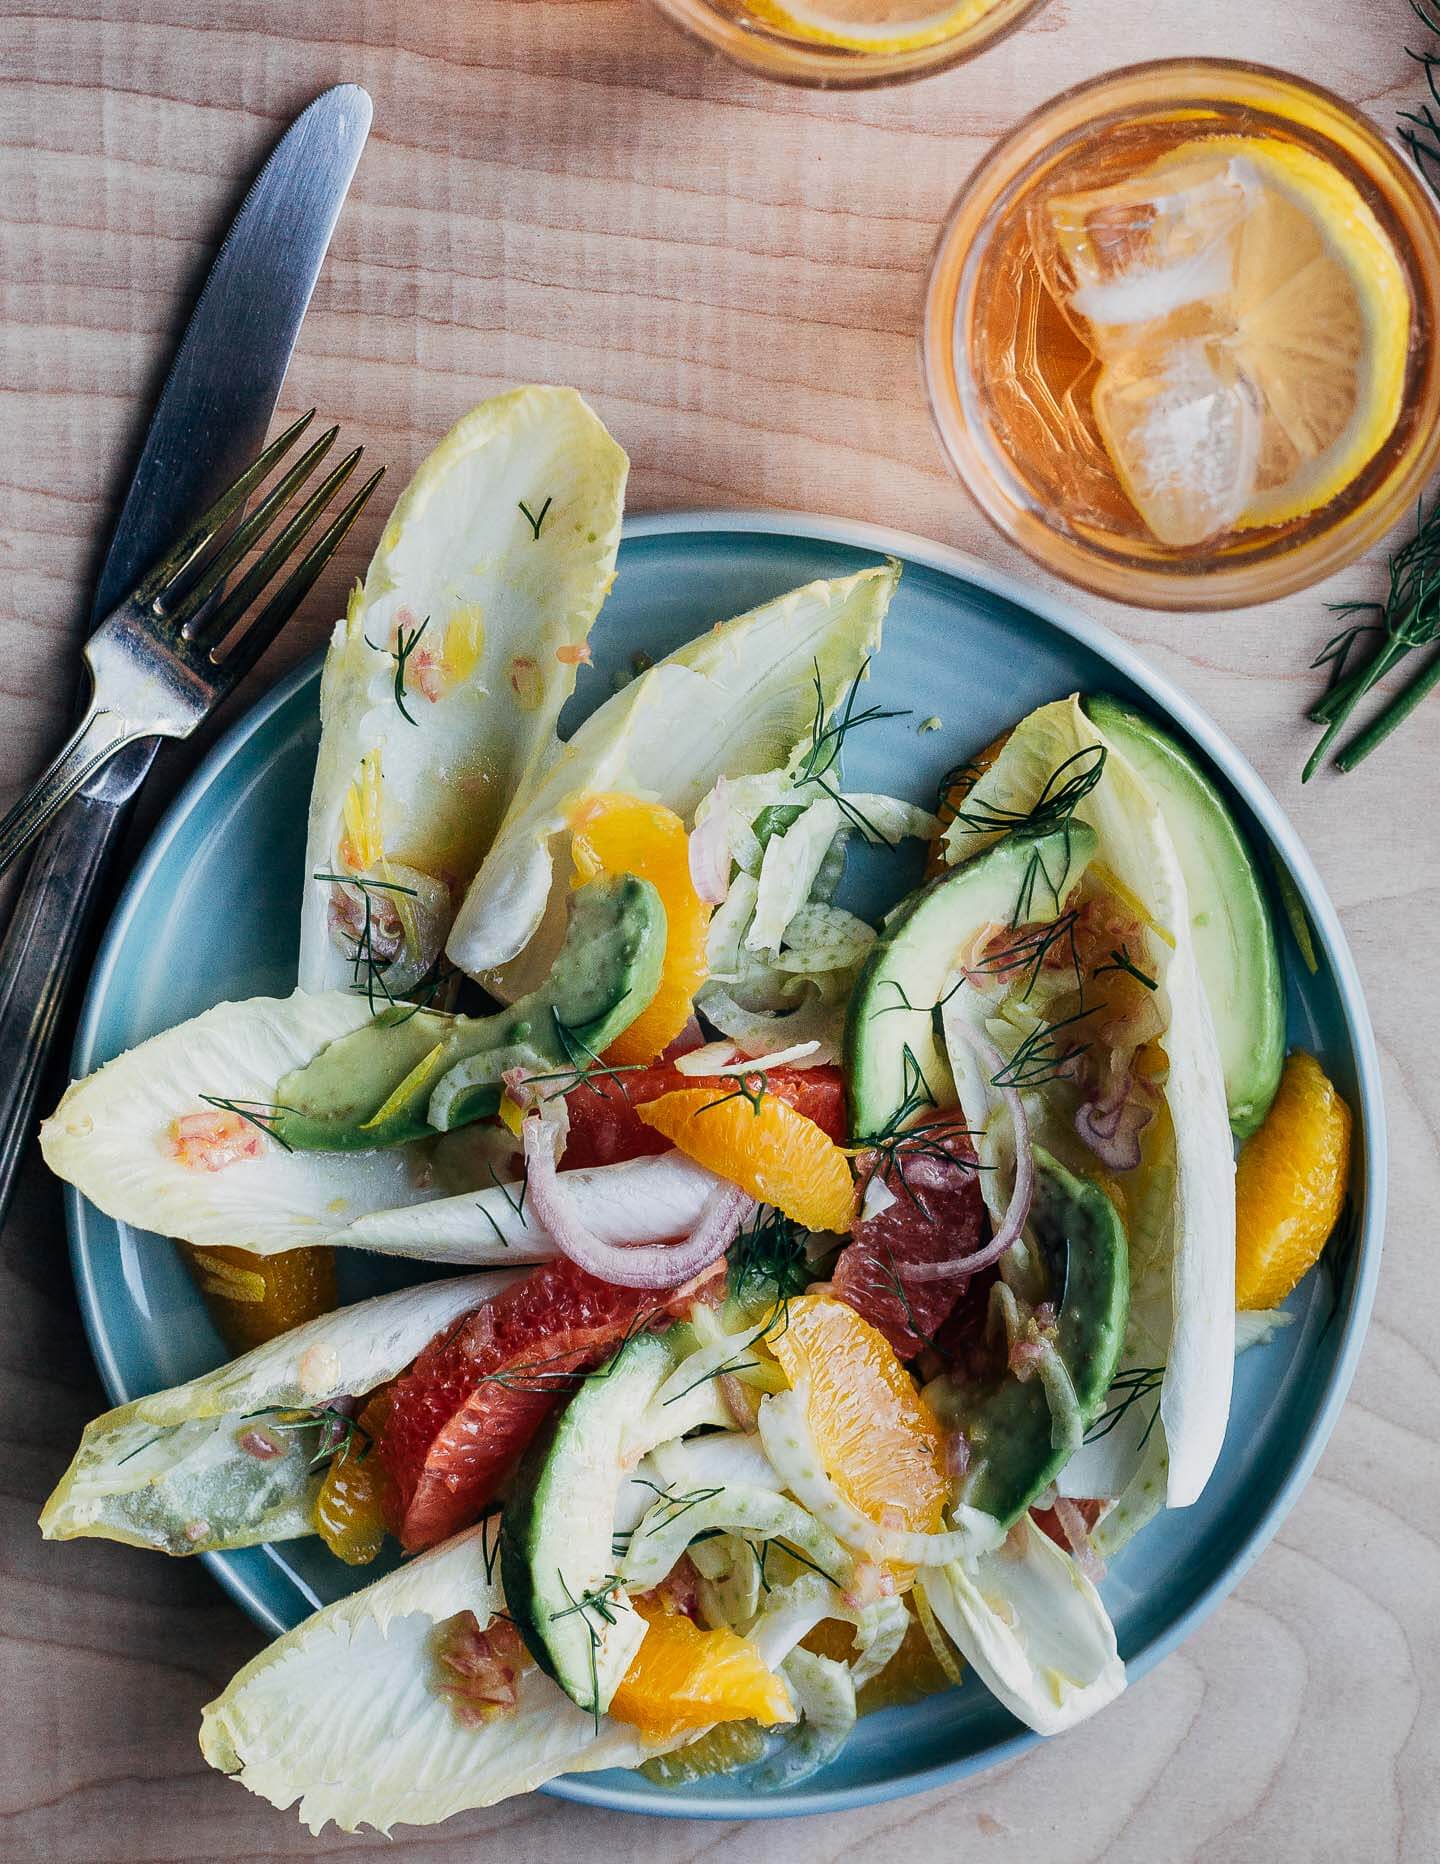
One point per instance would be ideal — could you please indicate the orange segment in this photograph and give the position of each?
(1290, 1184)
(253, 1298)
(349, 1511)
(619, 834)
(911, 1674)
(877, 1439)
(722, 1750)
(686, 1677)
(759, 1142)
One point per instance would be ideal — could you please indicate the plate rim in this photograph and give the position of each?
(1065, 616)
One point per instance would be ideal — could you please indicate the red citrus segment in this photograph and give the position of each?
(605, 1126)
(938, 1212)
(478, 1393)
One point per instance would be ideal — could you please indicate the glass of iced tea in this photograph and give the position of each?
(848, 43)
(1179, 335)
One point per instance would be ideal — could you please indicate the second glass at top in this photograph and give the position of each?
(1179, 335)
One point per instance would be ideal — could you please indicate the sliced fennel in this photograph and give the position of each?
(112, 1135)
(761, 1514)
(732, 702)
(171, 1471)
(423, 745)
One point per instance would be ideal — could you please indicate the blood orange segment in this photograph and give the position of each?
(478, 1393)
(761, 1143)
(685, 1677)
(605, 1123)
(877, 1439)
(937, 1213)
(619, 834)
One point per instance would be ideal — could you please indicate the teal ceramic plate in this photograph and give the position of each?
(212, 911)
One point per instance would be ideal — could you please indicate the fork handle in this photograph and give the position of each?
(99, 735)
(42, 943)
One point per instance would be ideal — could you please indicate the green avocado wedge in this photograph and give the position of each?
(1235, 947)
(894, 1059)
(411, 1073)
(557, 1557)
(1082, 1242)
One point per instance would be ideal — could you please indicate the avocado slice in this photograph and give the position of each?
(1082, 1243)
(1235, 947)
(893, 1054)
(410, 1073)
(557, 1558)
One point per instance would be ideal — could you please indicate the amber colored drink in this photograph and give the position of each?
(834, 44)
(1179, 335)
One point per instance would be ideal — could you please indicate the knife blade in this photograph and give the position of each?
(210, 421)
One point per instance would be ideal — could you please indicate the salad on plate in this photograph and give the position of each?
(832, 1299)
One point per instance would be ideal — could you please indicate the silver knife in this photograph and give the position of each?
(210, 423)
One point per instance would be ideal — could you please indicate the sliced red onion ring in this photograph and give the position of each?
(709, 850)
(1018, 1209)
(642, 1265)
(1112, 1127)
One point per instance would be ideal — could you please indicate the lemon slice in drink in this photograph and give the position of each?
(1253, 364)
(872, 25)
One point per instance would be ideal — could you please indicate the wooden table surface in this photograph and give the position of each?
(567, 190)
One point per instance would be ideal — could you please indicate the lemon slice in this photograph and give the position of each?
(1253, 320)
(872, 25)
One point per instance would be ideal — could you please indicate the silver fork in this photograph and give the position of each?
(165, 658)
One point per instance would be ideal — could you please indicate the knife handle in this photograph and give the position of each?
(43, 941)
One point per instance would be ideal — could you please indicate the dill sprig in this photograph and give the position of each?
(1042, 1057)
(1409, 617)
(340, 1434)
(1065, 789)
(1030, 952)
(602, 1600)
(752, 1086)
(769, 1253)
(532, 519)
(916, 1094)
(364, 957)
(827, 739)
(261, 1114)
(490, 1550)
(1129, 1389)
(584, 1068)
(1120, 960)
(400, 653)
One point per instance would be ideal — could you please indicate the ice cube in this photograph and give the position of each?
(1183, 426)
(1132, 255)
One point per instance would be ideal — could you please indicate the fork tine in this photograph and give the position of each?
(297, 585)
(189, 610)
(180, 556)
(223, 618)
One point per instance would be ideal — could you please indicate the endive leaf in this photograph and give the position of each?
(113, 1134)
(345, 1712)
(1180, 1204)
(170, 1471)
(734, 702)
(1033, 1628)
(499, 553)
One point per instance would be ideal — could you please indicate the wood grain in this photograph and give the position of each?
(566, 190)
